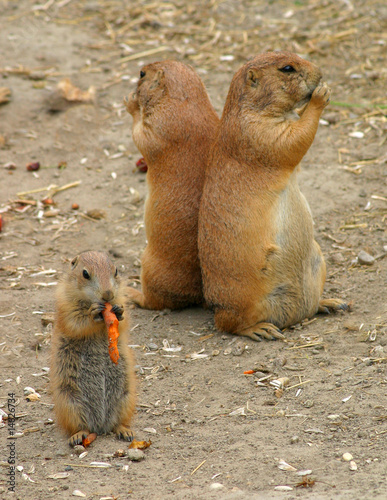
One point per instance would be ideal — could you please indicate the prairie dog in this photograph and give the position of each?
(262, 269)
(90, 392)
(174, 125)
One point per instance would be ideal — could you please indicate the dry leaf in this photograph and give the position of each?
(140, 445)
(96, 214)
(5, 95)
(74, 94)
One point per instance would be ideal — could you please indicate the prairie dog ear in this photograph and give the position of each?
(157, 79)
(74, 262)
(253, 76)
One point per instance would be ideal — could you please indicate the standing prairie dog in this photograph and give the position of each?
(174, 125)
(91, 393)
(262, 269)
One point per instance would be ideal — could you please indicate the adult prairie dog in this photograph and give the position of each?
(91, 393)
(262, 269)
(174, 125)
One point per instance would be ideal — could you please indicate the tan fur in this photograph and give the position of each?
(174, 125)
(90, 392)
(261, 267)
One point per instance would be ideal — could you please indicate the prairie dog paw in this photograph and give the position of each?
(124, 432)
(78, 437)
(118, 310)
(95, 311)
(321, 95)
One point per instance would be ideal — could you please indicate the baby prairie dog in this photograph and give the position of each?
(262, 269)
(91, 393)
(174, 125)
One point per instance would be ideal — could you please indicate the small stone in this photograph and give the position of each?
(79, 449)
(337, 258)
(238, 349)
(61, 453)
(347, 457)
(294, 440)
(365, 258)
(352, 465)
(135, 455)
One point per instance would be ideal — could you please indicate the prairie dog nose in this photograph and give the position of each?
(107, 295)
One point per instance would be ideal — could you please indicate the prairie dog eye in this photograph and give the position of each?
(142, 74)
(85, 274)
(287, 69)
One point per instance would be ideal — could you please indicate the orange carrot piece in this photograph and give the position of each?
(89, 439)
(111, 322)
(248, 372)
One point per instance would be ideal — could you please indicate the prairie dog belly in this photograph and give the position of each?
(101, 385)
(294, 221)
(299, 264)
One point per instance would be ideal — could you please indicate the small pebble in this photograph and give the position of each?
(61, 453)
(135, 455)
(294, 440)
(238, 349)
(216, 486)
(337, 258)
(79, 449)
(352, 465)
(347, 457)
(365, 258)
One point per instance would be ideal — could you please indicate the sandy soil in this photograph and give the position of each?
(215, 432)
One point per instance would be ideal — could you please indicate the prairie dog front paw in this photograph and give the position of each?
(321, 95)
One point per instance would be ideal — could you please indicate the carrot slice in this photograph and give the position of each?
(89, 439)
(111, 322)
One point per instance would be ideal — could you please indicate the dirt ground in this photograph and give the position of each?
(216, 432)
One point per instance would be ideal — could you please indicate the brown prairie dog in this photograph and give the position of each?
(90, 392)
(174, 125)
(262, 269)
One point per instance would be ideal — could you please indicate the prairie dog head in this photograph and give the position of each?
(274, 83)
(165, 83)
(92, 278)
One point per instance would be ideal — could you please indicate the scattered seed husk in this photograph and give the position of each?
(59, 475)
(282, 465)
(238, 411)
(78, 493)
